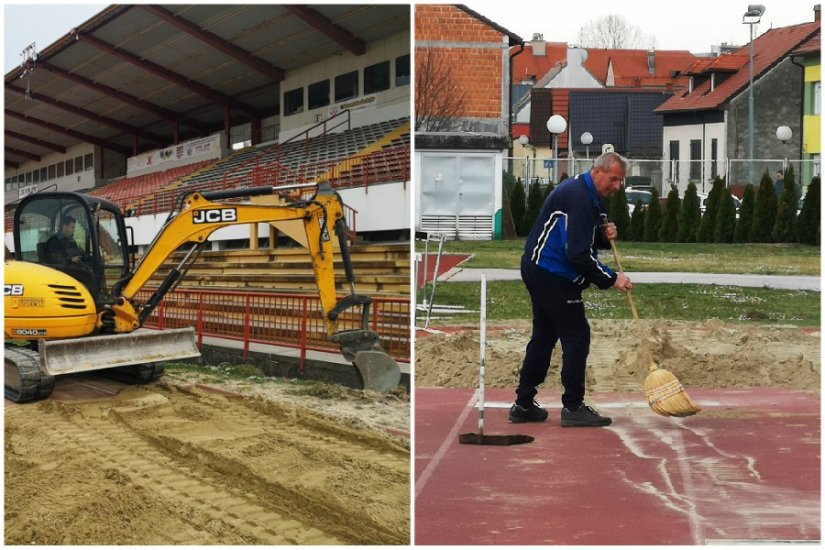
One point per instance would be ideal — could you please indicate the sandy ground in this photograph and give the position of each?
(708, 355)
(172, 464)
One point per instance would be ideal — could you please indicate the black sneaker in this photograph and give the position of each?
(584, 417)
(533, 413)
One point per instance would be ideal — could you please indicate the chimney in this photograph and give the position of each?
(816, 13)
(538, 44)
(651, 58)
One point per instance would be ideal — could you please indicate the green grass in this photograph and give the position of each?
(508, 300)
(220, 372)
(756, 259)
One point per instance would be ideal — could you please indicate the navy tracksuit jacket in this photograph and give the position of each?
(559, 262)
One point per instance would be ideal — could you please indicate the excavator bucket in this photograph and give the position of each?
(379, 372)
(116, 350)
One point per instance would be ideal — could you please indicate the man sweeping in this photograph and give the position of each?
(560, 261)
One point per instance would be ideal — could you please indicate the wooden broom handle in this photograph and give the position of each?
(632, 306)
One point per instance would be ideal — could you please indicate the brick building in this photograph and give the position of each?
(463, 67)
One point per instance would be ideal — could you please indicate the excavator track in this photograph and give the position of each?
(24, 380)
(135, 374)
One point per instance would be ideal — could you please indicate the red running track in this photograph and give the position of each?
(447, 262)
(746, 468)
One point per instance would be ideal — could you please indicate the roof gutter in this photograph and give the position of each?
(801, 111)
(510, 97)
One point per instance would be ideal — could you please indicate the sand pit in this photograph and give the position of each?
(703, 355)
(170, 464)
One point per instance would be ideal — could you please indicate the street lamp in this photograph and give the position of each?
(784, 134)
(525, 143)
(587, 139)
(751, 17)
(556, 125)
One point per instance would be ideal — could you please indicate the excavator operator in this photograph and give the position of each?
(61, 248)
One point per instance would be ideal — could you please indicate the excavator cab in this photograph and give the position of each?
(79, 235)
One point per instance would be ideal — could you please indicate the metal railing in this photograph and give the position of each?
(281, 319)
(662, 174)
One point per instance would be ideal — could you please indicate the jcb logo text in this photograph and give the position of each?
(215, 215)
(12, 290)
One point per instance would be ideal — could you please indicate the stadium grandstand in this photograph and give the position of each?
(143, 102)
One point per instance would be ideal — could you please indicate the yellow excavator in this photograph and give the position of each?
(70, 292)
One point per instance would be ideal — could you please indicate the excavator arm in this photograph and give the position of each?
(201, 214)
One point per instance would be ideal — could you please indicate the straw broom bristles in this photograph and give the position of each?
(665, 394)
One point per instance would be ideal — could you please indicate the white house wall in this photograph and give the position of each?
(684, 134)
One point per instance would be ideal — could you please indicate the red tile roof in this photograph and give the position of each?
(811, 46)
(629, 66)
(724, 63)
(769, 49)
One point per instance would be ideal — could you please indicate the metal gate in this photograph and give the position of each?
(457, 195)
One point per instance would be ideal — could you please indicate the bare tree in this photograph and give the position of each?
(438, 96)
(614, 32)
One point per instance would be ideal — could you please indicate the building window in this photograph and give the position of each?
(346, 86)
(36, 176)
(817, 108)
(59, 169)
(695, 159)
(714, 157)
(69, 167)
(318, 94)
(674, 157)
(78, 164)
(52, 172)
(44, 173)
(294, 101)
(402, 70)
(88, 161)
(377, 77)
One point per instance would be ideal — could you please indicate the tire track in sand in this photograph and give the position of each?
(342, 480)
(116, 446)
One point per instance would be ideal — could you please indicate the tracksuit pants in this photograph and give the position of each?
(558, 314)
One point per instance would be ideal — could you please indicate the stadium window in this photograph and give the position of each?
(402, 70)
(69, 167)
(294, 101)
(88, 161)
(346, 86)
(78, 164)
(318, 94)
(59, 169)
(52, 172)
(377, 77)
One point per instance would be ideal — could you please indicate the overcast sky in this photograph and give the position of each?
(693, 26)
(685, 25)
(39, 23)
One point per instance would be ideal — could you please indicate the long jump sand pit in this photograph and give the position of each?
(172, 464)
(712, 354)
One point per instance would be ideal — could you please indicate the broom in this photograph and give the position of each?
(664, 392)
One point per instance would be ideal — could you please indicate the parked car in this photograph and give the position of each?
(703, 203)
(635, 194)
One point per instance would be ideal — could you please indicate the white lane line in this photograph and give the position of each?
(445, 445)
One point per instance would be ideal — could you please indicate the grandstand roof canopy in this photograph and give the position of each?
(135, 77)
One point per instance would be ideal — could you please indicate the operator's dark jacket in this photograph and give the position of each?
(567, 233)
